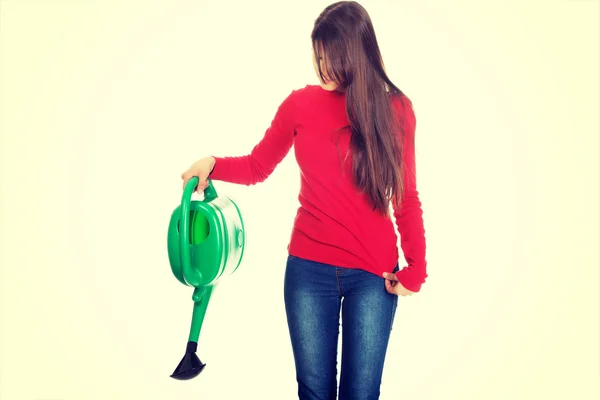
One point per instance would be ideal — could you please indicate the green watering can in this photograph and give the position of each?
(206, 242)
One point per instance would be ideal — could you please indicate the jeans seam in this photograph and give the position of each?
(337, 278)
(394, 302)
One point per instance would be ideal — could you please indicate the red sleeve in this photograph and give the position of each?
(409, 216)
(266, 155)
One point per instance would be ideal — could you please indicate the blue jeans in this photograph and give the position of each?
(314, 294)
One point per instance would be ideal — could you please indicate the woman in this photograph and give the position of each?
(353, 137)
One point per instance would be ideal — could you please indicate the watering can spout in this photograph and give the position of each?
(190, 365)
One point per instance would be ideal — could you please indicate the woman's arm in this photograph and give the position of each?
(409, 214)
(266, 155)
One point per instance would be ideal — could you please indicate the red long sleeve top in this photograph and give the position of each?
(335, 224)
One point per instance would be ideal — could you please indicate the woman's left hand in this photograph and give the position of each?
(393, 286)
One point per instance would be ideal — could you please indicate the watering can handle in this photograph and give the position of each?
(209, 193)
(191, 276)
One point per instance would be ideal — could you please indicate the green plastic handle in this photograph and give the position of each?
(191, 276)
(210, 193)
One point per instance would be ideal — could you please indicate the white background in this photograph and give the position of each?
(105, 103)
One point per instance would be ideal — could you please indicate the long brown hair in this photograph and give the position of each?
(344, 38)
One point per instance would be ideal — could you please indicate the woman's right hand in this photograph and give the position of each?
(202, 169)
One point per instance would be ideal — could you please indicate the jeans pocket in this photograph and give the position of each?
(291, 258)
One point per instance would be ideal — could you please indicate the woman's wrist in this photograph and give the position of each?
(212, 163)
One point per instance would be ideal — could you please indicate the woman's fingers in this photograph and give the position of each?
(186, 176)
(390, 282)
(392, 285)
(390, 276)
(389, 287)
(202, 182)
(200, 169)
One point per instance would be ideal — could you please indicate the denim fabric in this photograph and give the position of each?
(315, 294)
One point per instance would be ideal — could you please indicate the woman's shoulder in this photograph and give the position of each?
(295, 102)
(402, 103)
(401, 100)
(404, 108)
(306, 91)
(302, 98)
